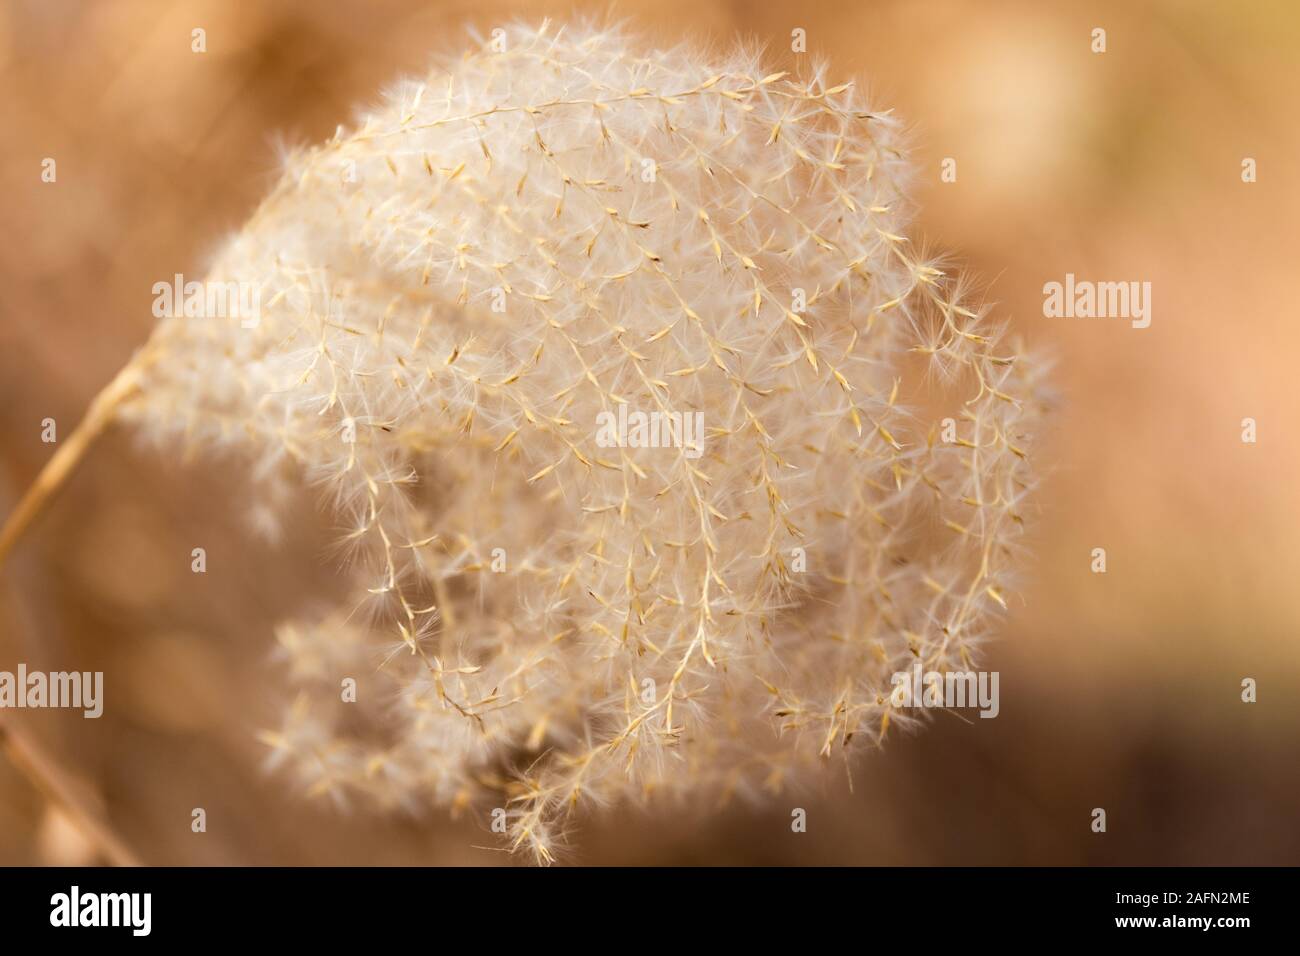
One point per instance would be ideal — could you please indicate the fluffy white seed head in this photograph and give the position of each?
(510, 257)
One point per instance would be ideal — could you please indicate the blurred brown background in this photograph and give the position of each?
(1119, 691)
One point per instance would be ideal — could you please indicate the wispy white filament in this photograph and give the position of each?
(457, 292)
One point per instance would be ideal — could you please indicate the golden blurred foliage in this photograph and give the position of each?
(1122, 689)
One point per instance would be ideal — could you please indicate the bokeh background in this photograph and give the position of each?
(1119, 691)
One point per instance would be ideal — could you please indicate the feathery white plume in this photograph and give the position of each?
(472, 306)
